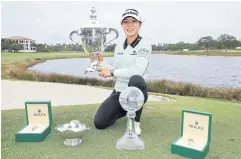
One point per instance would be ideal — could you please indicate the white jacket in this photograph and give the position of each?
(130, 60)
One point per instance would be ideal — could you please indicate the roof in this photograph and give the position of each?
(19, 38)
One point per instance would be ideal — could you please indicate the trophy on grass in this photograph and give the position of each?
(72, 132)
(131, 100)
(93, 38)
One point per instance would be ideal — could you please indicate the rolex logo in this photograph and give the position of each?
(39, 113)
(196, 122)
(196, 125)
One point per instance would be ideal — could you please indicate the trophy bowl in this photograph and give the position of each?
(72, 133)
(93, 38)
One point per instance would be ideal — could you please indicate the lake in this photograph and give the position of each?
(222, 71)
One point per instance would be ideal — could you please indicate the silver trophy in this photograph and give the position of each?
(72, 132)
(93, 38)
(131, 100)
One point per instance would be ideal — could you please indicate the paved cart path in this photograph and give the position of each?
(15, 93)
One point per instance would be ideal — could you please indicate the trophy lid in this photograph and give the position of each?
(38, 112)
(196, 124)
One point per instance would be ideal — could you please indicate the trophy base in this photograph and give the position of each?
(130, 141)
(72, 142)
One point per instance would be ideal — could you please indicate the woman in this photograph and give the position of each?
(131, 59)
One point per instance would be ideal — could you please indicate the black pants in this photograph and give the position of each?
(110, 110)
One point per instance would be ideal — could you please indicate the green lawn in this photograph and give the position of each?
(14, 57)
(160, 127)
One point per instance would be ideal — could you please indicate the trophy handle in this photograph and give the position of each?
(116, 32)
(75, 32)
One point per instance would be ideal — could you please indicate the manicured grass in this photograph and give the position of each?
(15, 57)
(160, 127)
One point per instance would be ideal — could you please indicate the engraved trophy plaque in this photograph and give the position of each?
(93, 38)
(131, 100)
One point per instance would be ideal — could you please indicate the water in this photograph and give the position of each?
(222, 71)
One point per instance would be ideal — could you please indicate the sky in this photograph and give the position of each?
(165, 22)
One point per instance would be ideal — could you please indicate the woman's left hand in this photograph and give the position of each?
(104, 72)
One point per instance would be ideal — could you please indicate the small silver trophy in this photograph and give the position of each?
(72, 132)
(93, 39)
(131, 100)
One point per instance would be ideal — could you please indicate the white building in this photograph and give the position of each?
(26, 42)
(238, 48)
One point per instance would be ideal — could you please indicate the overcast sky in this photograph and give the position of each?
(165, 22)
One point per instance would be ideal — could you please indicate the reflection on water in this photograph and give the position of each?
(205, 70)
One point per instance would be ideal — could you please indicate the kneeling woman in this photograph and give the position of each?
(131, 60)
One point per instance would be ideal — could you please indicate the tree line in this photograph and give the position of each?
(224, 41)
(9, 45)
